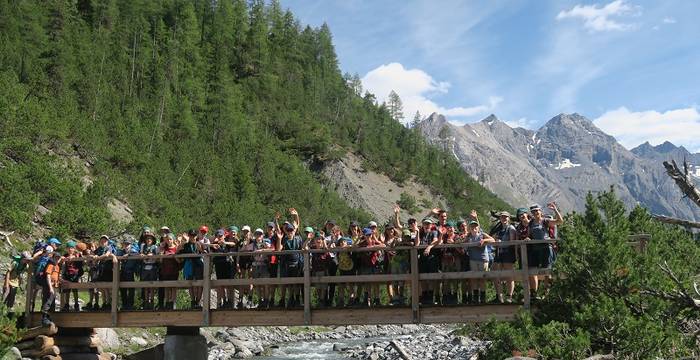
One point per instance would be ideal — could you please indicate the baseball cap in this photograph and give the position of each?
(428, 221)
(367, 231)
(220, 232)
(104, 237)
(450, 223)
(535, 207)
(406, 232)
(164, 229)
(289, 226)
(504, 213)
(204, 229)
(371, 224)
(53, 241)
(259, 231)
(308, 229)
(49, 249)
(233, 228)
(271, 224)
(520, 211)
(473, 223)
(71, 244)
(245, 228)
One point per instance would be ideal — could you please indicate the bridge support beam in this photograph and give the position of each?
(184, 343)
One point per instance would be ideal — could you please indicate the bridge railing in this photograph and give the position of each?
(412, 278)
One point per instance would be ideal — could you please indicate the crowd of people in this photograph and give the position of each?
(244, 253)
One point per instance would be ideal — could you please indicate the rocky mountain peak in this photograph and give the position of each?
(491, 119)
(435, 120)
(665, 147)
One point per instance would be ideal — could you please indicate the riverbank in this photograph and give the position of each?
(353, 342)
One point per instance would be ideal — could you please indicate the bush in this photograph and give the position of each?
(609, 297)
(9, 334)
(408, 203)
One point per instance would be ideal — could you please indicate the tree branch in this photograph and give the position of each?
(683, 180)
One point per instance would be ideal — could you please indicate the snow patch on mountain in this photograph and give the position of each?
(566, 164)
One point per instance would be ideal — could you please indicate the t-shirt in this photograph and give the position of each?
(345, 262)
(504, 234)
(73, 268)
(169, 266)
(191, 248)
(539, 230)
(477, 253)
(427, 237)
(294, 243)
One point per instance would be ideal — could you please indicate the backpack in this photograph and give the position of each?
(345, 262)
(52, 272)
(40, 268)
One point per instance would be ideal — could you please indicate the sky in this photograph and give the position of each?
(633, 67)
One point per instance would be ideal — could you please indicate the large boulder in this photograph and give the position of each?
(109, 337)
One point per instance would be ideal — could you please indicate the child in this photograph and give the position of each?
(319, 263)
(399, 263)
(478, 259)
(72, 272)
(346, 267)
(149, 271)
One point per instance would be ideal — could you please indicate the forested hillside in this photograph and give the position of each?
(190, 111)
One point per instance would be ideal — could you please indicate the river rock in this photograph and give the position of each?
(109, 337)
(340, 329)
(13, 354)
(339, 347)
(138, 341)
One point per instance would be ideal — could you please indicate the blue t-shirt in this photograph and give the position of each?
(477, 253)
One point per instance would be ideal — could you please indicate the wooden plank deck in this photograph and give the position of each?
(232, 318)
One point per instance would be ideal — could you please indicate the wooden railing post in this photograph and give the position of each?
(206, 290)
(415, 286)
(29, 306)
(115, 290)
(307, 288)
(525, 275)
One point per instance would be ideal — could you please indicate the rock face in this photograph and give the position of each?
(563, 160)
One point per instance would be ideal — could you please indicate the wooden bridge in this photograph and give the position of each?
(308, 315)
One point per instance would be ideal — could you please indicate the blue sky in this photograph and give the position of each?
(633, 67)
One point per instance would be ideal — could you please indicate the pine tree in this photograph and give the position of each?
(395, 106)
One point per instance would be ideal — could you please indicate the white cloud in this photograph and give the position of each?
(598, 17)
(679, 126)
(522, 122)
(669, 20)
(415, 87)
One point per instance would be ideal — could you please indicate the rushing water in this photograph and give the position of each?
(315, 349)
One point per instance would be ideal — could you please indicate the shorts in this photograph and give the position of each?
(223, 270)
(273, 270)
(399, 267)
(149, 273)
(505, 255)
(71, 278)
(291, 270)
(451, 266)
(193, 271)
(479, 265)
(169, 276)
(261, 272)
(106, 273)
(370, 270)
(347, 272)
(428, 264)
(540, 256)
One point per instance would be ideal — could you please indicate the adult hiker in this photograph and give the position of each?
(246, 245)
(539, 229)
(261, 263)
(346, 267)
(505, 256)
(478, 259)
(72, 272)
(399, 263)
(428, 261)
(291, 265)
(332, 235)
(319, 264)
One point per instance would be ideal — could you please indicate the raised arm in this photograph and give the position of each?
(558, 219)
(397, 211)
(296, 221)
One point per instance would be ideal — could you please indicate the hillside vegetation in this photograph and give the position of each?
(191, 112)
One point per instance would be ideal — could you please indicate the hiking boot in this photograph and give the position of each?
(45, 319)
(65, 308)
(76, 307)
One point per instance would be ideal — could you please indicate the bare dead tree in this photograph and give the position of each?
(676, 221)
(683, 180)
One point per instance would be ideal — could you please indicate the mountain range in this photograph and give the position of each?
(562, 161)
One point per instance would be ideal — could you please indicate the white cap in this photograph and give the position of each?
(49, 249)
(246, 227)
(259, 230)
